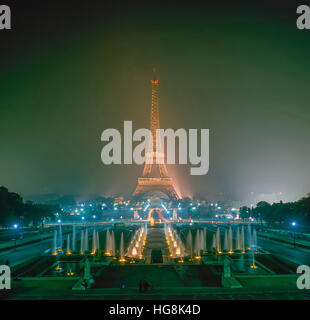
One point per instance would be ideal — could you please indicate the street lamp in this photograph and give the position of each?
(294, 225)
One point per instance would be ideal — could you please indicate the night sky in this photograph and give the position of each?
(70, 69)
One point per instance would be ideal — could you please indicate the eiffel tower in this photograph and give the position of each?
(149, 183)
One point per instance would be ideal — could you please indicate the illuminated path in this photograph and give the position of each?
(156, 241)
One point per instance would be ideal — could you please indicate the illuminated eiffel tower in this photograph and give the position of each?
(149, 183)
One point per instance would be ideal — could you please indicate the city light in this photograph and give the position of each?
(165, 208)
(146, 207)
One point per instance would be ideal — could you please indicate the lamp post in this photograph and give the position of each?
(294, 233)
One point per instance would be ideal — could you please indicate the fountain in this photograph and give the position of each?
(137, 243)
(218, 241)
(213, 241)
(134, 251)
(68, 252)
(242, 240)
(226, 241)
(58, 268)
(94, 247)
(108, 245)
(86, 240)
(254, 240)
(253, 265)
(254, 248)
(112, 243)
(204, 240)
(82, 242)
(60, 238)
(249, 238)
(121, 249)
(55, 244)
(97, 241)
(189, 243)
(197, 244)
(69, 270)
(230, 241)
(174, 242)
(73, 239)
(238, 246)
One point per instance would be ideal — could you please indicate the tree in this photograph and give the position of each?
(244, 212)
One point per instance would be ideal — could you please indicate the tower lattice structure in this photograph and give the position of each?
(148, 183)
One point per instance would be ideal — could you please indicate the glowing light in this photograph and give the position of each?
(58, 268)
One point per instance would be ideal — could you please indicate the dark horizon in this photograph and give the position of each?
(69, 71)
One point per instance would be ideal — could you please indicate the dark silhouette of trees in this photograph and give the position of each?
(280, 212)
(14, 210)
(244, 212)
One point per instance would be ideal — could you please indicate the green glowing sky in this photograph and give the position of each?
(67, 72)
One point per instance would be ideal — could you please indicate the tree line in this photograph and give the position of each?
(13, 210)
(280, 212)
